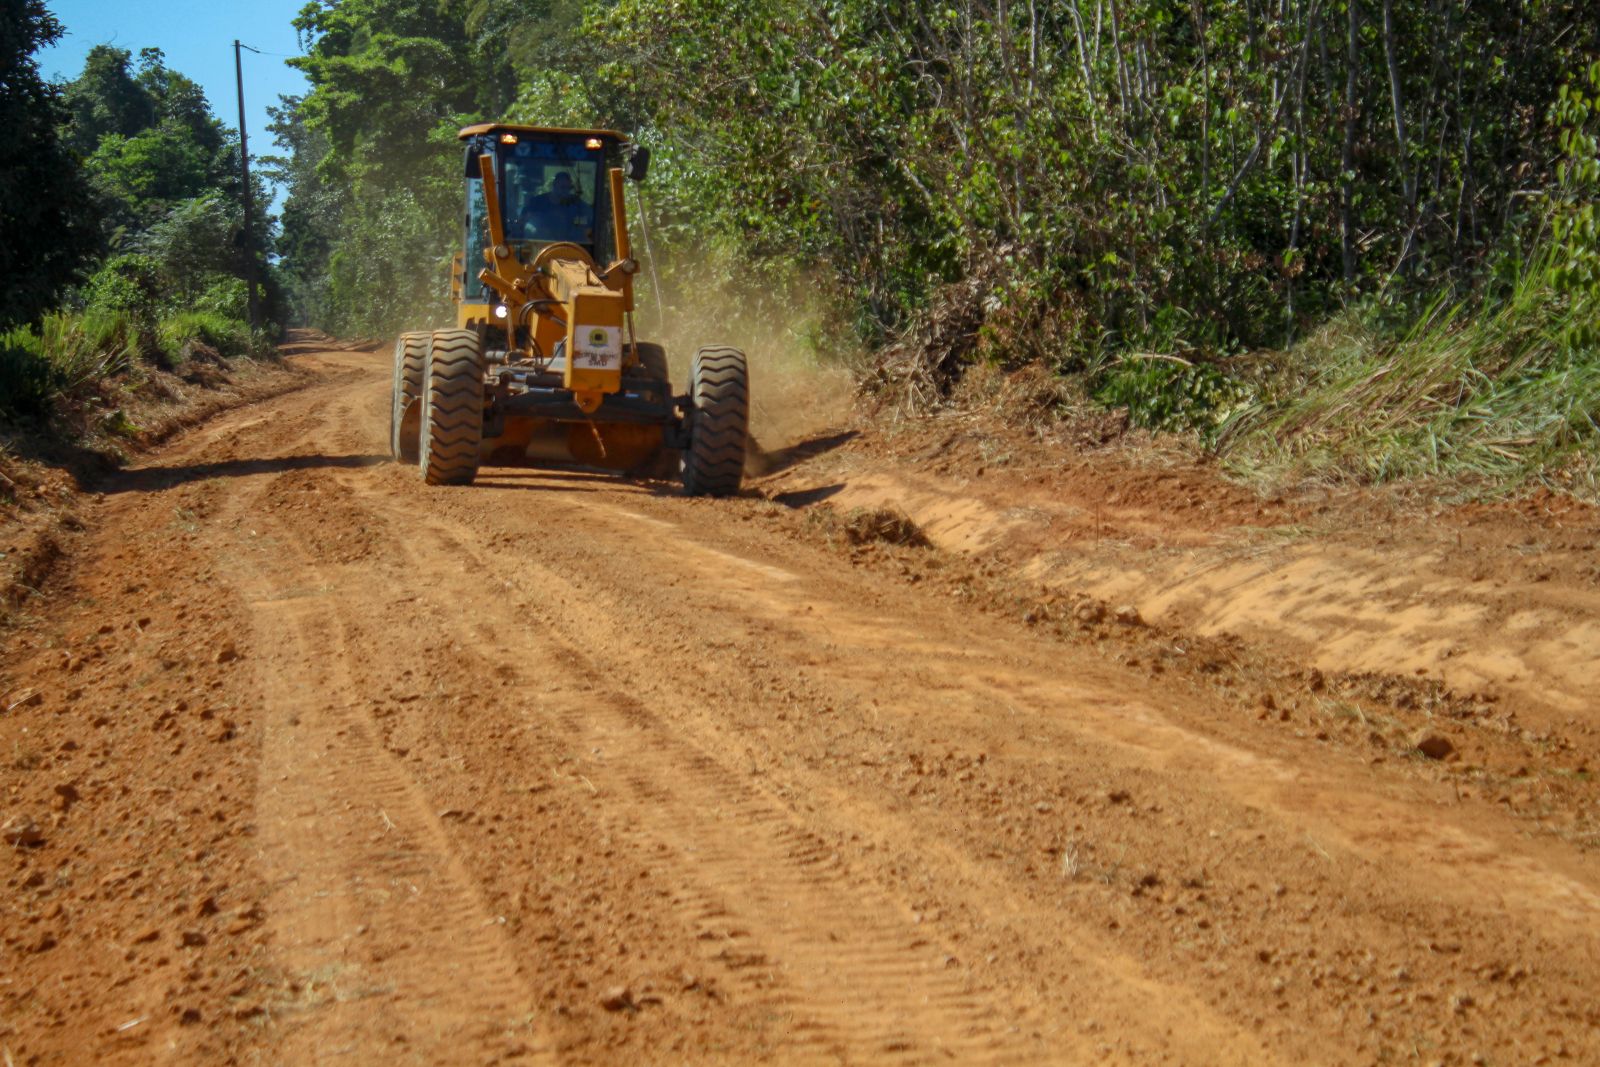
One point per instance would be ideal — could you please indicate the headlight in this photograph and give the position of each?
(500, 311)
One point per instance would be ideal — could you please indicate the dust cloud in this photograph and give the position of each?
(802, 358)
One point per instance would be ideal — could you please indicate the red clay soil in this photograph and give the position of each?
(302, 761)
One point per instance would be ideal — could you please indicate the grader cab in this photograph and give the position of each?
(543, 365)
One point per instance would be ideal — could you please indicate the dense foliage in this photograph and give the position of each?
(135, 226)
(1084, 182)
(46, 227)
(1209, 175)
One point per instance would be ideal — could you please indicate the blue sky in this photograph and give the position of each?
(198, 41)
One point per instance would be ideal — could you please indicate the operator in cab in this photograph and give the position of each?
(557, 214)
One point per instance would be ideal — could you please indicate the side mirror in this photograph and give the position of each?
(638, 163)
(472, 161)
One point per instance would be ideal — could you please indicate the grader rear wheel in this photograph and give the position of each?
(719, 389)
(653, 361)
(410, 366)
(662, 462)
(452, 419)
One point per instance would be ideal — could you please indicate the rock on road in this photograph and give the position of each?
(322, 765)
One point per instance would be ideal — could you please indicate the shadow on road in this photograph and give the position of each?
(762, 462)
(804, 498)
(155, 479)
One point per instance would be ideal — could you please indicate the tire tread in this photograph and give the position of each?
(452, 424)
(719, 388)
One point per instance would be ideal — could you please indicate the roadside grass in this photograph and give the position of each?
(68, 353)
(179, 335)
(62, 367)
(1487, 400)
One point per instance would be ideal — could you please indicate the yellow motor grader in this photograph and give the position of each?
(543, 365)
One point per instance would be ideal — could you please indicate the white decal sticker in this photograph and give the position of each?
(598, 348)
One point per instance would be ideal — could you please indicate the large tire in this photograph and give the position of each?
(452, 419)
(719, 391)
(664, 463)
(653, 362)
(405, 411)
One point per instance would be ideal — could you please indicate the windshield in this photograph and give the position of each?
(550, 200)
(550, 190)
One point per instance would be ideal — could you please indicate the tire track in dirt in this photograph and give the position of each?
(1381, 829)
(536, 740)
(842, 964)
(383, 940)
(1382, 835)
(830, 948)
(980, 677)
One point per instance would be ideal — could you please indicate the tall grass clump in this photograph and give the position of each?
(1492, 396)
(87, 346)
(64, 358)
(179, 334)
(27, 381)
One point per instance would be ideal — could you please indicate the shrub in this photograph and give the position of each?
(27, 380)
(225, 297)
(128, 283)
(1166, 393)
(179, 333)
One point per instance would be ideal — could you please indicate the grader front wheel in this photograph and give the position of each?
(719, 389)
(410, 366)
(452, 418)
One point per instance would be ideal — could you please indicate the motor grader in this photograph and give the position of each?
(543, 365)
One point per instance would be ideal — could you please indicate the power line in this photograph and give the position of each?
(275, 55)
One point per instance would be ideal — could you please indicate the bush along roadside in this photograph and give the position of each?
(76, 362)
(156, 285)
(1491, 393)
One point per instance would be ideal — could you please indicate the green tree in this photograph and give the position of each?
(162, 164)
(1081, 177)
(371, 219)
(151, 140)
(106, 99)
(46, 229)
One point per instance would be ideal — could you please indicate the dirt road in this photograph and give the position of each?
(304, 762)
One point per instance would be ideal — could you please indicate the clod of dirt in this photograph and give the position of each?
(227, 653)
(1128, 615)
(27, 700)
(1433, 746)
(1089, 612)
(21, 832)
(66, 796)
(246, 919)
(617, 998)
(865, 525)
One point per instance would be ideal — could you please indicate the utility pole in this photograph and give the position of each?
(249, 222)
